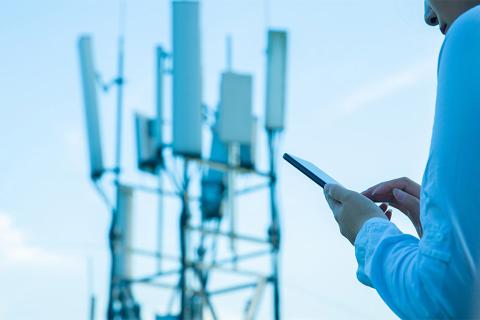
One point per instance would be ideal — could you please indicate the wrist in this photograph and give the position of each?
(363, 223)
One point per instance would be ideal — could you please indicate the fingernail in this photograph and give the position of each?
(398, 194)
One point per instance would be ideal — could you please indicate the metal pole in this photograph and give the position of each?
(233, 162)
(184, 222)
(274, 231)
(159, 73)
(120, 80)
(160, 221)
(114, 290)
(114, 237)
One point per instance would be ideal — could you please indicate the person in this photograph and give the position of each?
(434, 275)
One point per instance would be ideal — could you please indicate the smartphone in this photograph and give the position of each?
(310, 170)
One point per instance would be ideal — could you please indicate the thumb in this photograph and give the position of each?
(406, 200)
(337, 192)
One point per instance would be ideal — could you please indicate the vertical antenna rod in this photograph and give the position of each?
(232, 157)
(114, 237)
(120, 82)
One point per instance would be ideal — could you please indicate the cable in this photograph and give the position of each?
(103, 195)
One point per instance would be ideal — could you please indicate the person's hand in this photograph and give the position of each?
(351, 209)
(403, 194)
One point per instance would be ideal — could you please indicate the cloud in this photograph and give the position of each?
(369, 93)
(15, 249)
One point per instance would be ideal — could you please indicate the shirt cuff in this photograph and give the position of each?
(366, 242)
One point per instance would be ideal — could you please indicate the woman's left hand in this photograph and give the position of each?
(351, 209)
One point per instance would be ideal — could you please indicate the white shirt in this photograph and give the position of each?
(437, 276)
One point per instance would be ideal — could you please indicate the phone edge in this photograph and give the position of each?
(304, 170)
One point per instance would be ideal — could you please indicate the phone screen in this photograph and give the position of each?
(310, 170)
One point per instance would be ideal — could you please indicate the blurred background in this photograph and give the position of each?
(360, 94)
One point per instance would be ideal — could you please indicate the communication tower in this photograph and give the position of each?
(232, 155)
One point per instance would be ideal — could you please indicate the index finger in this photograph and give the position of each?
(383, 191)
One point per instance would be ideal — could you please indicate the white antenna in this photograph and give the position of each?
(235, 121)
(276, 80)
(187, 80)
(88, 74)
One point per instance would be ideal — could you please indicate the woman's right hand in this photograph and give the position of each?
(403, 194)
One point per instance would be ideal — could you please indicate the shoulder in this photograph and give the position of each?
(466, 27)
(461, 48)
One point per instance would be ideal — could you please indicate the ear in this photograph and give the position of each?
(430, 16)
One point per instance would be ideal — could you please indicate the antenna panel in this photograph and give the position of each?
(87, 68)
(187, 82)
(276, 80)
(235, 114)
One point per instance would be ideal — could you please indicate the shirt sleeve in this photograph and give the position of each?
(394, 264)
(384, 255)
(370, 236)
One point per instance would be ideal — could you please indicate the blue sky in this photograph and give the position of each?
(361, 94)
